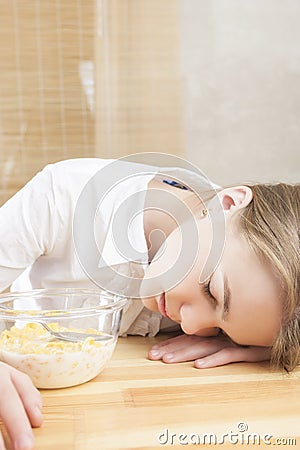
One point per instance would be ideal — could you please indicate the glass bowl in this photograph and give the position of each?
(50, 362)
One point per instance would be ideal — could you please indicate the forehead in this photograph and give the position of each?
(256, 305)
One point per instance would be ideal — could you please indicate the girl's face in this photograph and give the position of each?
(243, 295)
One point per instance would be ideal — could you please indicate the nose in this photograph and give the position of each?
(198, 317)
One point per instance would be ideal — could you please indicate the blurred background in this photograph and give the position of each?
(216, 82)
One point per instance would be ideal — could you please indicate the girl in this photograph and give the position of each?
(226, 270)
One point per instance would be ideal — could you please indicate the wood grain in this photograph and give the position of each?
(135, 400)
(138, 108)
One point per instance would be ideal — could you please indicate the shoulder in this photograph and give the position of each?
(71, 175)
(77, 166)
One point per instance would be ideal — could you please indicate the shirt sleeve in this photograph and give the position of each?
(28, 226)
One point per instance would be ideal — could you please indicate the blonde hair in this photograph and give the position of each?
(270, 223)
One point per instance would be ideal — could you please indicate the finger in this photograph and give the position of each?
(30, 397)
(2, 446)
(14, 417)
(173, 345)
(233, 354)
(168, 341)
(182, 355)
(194, 351)
(188, 348)
(157, 351)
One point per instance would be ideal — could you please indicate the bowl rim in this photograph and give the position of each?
(117, 302)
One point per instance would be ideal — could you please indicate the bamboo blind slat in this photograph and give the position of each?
(44, 113)
(95, 78)
(138, 78)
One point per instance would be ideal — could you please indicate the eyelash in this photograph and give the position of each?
(208, 292)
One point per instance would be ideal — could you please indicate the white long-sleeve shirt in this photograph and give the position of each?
(36, 240)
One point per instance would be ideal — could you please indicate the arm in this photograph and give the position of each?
(206, 351)
(27, 228)
(26, 233)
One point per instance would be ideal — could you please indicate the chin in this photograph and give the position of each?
(208, 332)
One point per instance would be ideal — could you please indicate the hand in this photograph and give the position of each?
(206, 351)
(20, 407)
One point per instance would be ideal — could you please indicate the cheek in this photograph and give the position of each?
(150, 303)
(161, 275)
(166, 256)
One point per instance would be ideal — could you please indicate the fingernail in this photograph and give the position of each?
(200, 364)
(24, 443)
(169, 357)
(155, 353)
(37, 411)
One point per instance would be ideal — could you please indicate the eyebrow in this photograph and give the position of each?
(226, 300)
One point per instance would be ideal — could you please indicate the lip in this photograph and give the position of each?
(162, 305)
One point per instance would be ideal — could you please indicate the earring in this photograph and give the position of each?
(204, 212)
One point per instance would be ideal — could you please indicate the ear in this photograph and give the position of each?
(235, 198)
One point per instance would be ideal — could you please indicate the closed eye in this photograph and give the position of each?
(206, 288)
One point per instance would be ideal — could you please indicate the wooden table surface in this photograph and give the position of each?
(140, 404)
